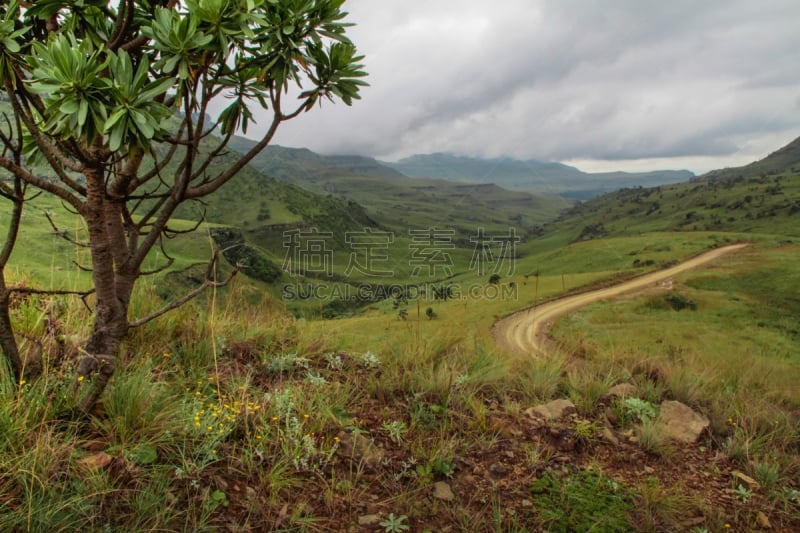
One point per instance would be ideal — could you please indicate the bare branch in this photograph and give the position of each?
(230, 172)
(213, 155)
(81, 267)
(64, 234)
(170, 233)
(36, 181)
(158, 167)
(124, 19)
(162, 268)
(17, 197)
(50, 292)
(210, 281)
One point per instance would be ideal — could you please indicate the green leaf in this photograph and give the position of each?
(156, 88)
(116, 137)
(83, 111)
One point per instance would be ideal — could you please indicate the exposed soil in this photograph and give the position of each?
(526, 331)
(491, 482)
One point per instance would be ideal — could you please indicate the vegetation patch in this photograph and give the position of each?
(582, 502)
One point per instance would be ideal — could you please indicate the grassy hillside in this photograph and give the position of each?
(230, 414)
(226, 416)
(398, 201)
(763, 197)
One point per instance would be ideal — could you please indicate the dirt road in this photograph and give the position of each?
(526, 331)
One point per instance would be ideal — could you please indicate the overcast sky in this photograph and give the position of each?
(614, 84)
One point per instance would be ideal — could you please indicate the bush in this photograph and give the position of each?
(583, 502)
(679, 303)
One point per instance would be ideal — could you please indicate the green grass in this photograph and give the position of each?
(766, 203)
(224, 412)
(233, 414)
(583, 502)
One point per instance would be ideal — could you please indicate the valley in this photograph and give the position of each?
(388, 371)
(320, 266)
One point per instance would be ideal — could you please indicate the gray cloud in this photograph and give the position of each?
(567, 80)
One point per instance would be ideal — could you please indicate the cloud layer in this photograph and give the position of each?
(625, 81)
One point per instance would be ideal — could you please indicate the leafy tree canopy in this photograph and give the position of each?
(117, 100)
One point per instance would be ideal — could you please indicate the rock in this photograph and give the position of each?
(608, 436)
(553, 410)
(679, 422)
(526, 504)
(622, 390)
(534, 421)
(498, 470)
(751, 483)
(369, 520)
(442, 491)
(762, 520)
(359, 450)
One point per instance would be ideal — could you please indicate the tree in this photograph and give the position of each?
(116, 99)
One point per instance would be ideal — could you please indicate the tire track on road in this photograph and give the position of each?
(526, 331)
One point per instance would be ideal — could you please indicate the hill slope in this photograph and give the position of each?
(762, 197)
(399, 202)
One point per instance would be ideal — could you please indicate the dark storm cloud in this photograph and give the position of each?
(567, 80)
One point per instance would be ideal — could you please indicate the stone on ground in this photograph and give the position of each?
(552, 410)
(680, 423)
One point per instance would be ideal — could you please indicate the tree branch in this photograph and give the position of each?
(50, 292)
(17, 197)
(124, 18)
(50, 151)
(225, 176)
(64, 234)
(48, 186)
(209, 282)
(162, 268)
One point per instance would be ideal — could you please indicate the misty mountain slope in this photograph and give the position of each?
(532, 175)
(400, 202)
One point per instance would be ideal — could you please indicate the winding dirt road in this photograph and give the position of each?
(526, 331)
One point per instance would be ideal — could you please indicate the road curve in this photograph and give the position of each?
(525, 331)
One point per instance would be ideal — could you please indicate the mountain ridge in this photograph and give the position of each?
(760, 197)
(532, 175)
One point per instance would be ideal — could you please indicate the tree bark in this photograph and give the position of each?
(112, 291)
(7, 340)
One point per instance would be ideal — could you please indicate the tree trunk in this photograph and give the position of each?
(112, 290)
(7, 340)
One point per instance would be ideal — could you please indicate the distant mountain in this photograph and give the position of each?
(400, 202)
(532, 175)
(762, 197)
(303, 167)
